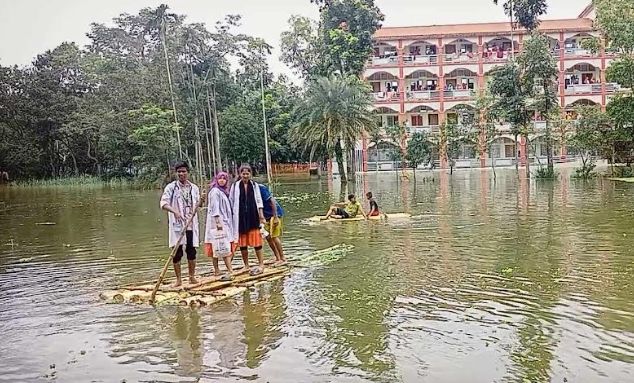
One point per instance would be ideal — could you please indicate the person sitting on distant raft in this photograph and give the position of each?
(344, 210)
(374, 207)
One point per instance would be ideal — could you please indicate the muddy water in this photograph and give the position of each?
(493, 282)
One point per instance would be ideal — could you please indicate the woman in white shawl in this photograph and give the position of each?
(219, 223)
(248, 217)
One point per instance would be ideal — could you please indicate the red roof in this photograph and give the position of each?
(385, 33)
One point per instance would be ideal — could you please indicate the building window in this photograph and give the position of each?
(467, 83)
(392, 120)
(433, 119)
(417, 120)
(391, 86)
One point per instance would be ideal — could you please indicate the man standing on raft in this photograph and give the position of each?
(180, 199)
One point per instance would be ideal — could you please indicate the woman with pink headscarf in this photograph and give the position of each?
(220, 221)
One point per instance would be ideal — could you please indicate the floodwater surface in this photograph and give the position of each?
(506, 281)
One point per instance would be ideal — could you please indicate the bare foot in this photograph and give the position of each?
(176, 284)
(193, 280)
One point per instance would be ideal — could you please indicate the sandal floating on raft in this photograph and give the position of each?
(322, 218)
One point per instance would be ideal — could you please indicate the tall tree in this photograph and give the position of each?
(593, 135)
(526, 12)
(615, 20)
(540, 80)
(301, 47)
(334, 113)
(510, 101)
(346, 29)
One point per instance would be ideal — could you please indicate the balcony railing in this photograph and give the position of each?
(577, 52)
(461, 57)
(384, 60)
(497, 56)
(459, 93)
(591, 88)
(423, 95)
(386, 96)
(428, 129)
(420, 59)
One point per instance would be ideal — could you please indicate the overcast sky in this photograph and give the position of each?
(29, 27)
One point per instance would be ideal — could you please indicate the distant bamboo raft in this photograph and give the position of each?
(321, 218)
(210, 290)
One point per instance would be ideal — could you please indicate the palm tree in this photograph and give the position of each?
(335, 112)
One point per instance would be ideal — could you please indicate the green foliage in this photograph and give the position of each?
(525, 12)
(154, 136)
(300, 46)
(334, 112)
(346, 29)
(242, 136)
(419, 150)
(341, 41)
(106, 110)
(545, 173)
(593, 135)
(510, 97)
(615, 21)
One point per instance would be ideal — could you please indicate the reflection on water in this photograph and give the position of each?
(505, 281)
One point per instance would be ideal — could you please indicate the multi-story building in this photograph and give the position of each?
(422, 76)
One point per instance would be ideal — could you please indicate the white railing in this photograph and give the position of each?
(460, 93)
(577, 52)
(460, 57)
(423, 95)
(386, 96)
(384, 60)
(420, 59)
(424, 129)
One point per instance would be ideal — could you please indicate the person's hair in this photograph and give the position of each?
(181, 164)
(350, 197)
(368, 194)
(245, 166)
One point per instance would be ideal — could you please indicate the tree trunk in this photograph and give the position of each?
(169, 81)
(549, 144)
(528, 170)
(492, 163)
(213, 118)
(339, 157)
(517, 163)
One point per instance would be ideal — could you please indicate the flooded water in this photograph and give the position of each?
(511, 281)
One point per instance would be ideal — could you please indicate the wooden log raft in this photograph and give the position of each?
(210, 290)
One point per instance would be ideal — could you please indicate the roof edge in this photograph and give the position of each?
(586, 11)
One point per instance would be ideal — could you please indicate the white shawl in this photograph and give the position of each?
(234, 197)
(172, 196)
(218, 205)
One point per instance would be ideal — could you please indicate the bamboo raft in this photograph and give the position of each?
(208, 291)
(321, 218)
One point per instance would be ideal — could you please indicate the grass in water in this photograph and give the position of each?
(75, 181)
(324, 257)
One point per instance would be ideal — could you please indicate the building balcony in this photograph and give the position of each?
(386, 96)
(420, 59)
(468, 57)
(383, 60)
(427, 129)
(591, 88)
(459, 93)
(497, 56)
(577, 52)
(423, 95)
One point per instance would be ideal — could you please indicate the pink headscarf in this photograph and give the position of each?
(214, 182)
